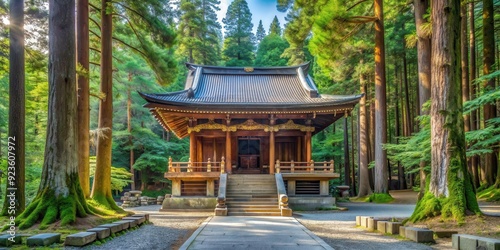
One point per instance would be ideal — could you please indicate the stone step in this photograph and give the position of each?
(250, 192)
(254, 213)
(252, 202)
(258, 209)
(247, 199)
(252, 206)
(80, 239)
(43, 240)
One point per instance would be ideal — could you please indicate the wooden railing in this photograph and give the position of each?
(304, 167)
(189, 166)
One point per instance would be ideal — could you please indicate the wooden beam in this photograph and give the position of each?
(272, 157)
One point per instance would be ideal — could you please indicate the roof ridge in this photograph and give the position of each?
(304, 66)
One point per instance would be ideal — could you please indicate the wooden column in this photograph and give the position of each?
(308, 146)
(299, 148)
(192, 147)
(272, 156)
(228, 152)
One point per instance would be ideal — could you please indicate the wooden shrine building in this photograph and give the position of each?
(244, 121)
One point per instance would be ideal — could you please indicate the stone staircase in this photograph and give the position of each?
(252, 195)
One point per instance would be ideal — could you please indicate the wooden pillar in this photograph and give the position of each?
(308, 146)
(228, 152)
(299, 148)
(272, 154)
(192, 147)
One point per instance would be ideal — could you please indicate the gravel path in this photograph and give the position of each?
(338, 228)
(167, 231)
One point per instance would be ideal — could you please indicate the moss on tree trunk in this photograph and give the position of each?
(450, 193)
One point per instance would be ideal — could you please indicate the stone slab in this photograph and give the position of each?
(138, 220)
(124, 224)
(80, 239)
(7, 240)
(488, 244)
(286, 212)
(392, 227)
(114, 228)
(146, 216)
(45, 239)
(419, 235)
(358, 220)
(382, 226)
(220, 211)
(132, 223)
(101, 232)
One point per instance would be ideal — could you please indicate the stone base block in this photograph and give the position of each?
(382, 226)
(101, 232)
(392, 227)
(43, 240)
(132, 222)
(372, 223)
(221, 212)
(466, 241)
(286, 212)
(138, 220)
(113, 228)
(80, 239)
(7, 240)
(402, 232)
(364, 221)
(419, 234)
(358, 220)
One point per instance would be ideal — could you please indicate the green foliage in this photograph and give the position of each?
(199, 31)
(275, 27)
(270, 50)
(238, 40)
(380, 198)
(261, 32)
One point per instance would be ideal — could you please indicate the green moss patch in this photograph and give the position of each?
(380, 198)
(489, 194)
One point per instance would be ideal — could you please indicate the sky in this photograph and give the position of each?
(264, 10)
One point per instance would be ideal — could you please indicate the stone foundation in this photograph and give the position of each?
(310, 202)
(189, 203)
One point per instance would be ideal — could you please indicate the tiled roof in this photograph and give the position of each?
(208, 85)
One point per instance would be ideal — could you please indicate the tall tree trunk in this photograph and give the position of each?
(401, 172)
(60, 195)
(424, 71)
(130, 139)
(17, 111)
(353, 168)
(83, 92)
(464, 54)
(381, 179)
(472, 75)
(372, 142)
(450, 189)
(364, 144)
(408, 119)
(101, 189)
(488, 62)
(347, 172)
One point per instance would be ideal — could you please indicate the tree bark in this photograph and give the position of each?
(60, 195)
(450, 189)
(130, 139)
(364, 144)
(424, 71)
(489, 110)
(17, 110)
(101, 190)
(472, 75)
(381, 178)
(83, 92)
(347, 171)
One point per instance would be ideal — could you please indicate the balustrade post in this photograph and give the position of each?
(331, 166)
(170, 167)
(190, 166)
(278, 170)
(324, 166)
(292, 167)
(222, 164)
(311, 169)
(209, 166)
